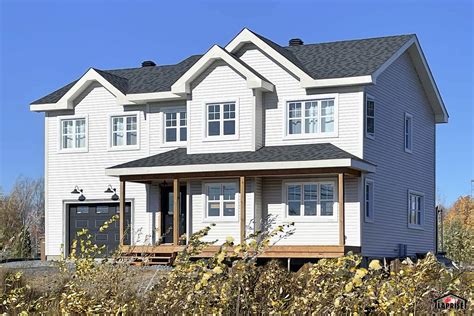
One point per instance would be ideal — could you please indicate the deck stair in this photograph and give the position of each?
(138, 258)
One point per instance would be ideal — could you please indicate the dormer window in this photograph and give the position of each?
(311, 117)
(221, 119)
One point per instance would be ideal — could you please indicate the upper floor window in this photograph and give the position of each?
(370, 117)
(175, 126)
(124, 131)
(310, 199)
(369, 200)
(221, 119)
(221, 200)
(415, 209)
(310, 117)
(73, 133)
(408, 133)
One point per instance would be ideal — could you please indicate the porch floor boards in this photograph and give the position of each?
(165, 254)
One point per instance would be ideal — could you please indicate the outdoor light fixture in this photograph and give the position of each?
(113, 190)
(110, 189)
(78, 190)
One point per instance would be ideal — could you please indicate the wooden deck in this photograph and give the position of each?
(164, 254)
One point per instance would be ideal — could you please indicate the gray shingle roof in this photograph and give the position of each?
(347, 58)
(320, 61)
(179, 157)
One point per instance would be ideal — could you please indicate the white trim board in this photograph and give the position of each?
(183, 85)
(327, 163)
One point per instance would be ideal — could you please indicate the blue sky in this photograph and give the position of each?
(46, 44)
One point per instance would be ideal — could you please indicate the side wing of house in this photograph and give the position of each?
(78, 148)
(403, 148)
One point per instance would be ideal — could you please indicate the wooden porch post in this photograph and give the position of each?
(342, 241)
(122, 211)
(242, 209)
(176, 210)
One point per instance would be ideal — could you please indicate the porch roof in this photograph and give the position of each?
(266, 158)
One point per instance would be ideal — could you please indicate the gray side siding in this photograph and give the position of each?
(398, 90)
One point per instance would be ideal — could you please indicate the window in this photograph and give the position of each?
(415, 209)
(175, 126)
(102, 209)
(221, 119)
(310, 117)
(82, 210)
(310, 199)
(370, 117)
(221, 200)
(124, 131)
(369, 200)
(73, 133)
(408, 132)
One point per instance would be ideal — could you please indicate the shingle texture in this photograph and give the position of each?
(179, 157)
(347, 58)
(320, 61)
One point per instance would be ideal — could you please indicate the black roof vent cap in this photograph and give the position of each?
(295, 42)
(148, 63)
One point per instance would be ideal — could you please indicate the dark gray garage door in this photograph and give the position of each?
(92, 217)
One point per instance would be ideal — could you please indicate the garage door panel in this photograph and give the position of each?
(92, 217)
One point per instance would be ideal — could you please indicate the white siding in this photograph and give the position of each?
(314, 232)
(398, 90)
(220, 83)
(87, 169)
(221, 230)
(287, 88)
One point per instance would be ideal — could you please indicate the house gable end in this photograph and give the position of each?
(66, 102)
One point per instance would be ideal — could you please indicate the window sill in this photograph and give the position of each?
(220, 138)
(316, 219)
(370, 137)
(409, 151)
(369, 220)
(309, 136)
(124, 148)
(73, 151)
(416, 227)
(174, 144)
(220, 220)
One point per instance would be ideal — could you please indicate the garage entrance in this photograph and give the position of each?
(92, 217)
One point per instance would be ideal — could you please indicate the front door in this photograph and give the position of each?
(167, 213)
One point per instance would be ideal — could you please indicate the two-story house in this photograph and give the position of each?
(338, 138)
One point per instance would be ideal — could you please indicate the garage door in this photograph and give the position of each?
(92, 217)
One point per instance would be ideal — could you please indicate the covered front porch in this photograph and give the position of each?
(310, 193)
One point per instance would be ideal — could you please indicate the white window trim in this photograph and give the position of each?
(220, 218)
(60, 134)
(316, 97)
(408, 115)
(110, 136)
(317, 218)
(371, 98)
(369, 219)
(422, 218)
(163, 121)
(218, 138)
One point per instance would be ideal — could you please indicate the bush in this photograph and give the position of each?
(231, 282)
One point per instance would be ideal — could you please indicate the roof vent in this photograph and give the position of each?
(295, 42)
(148, 63)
